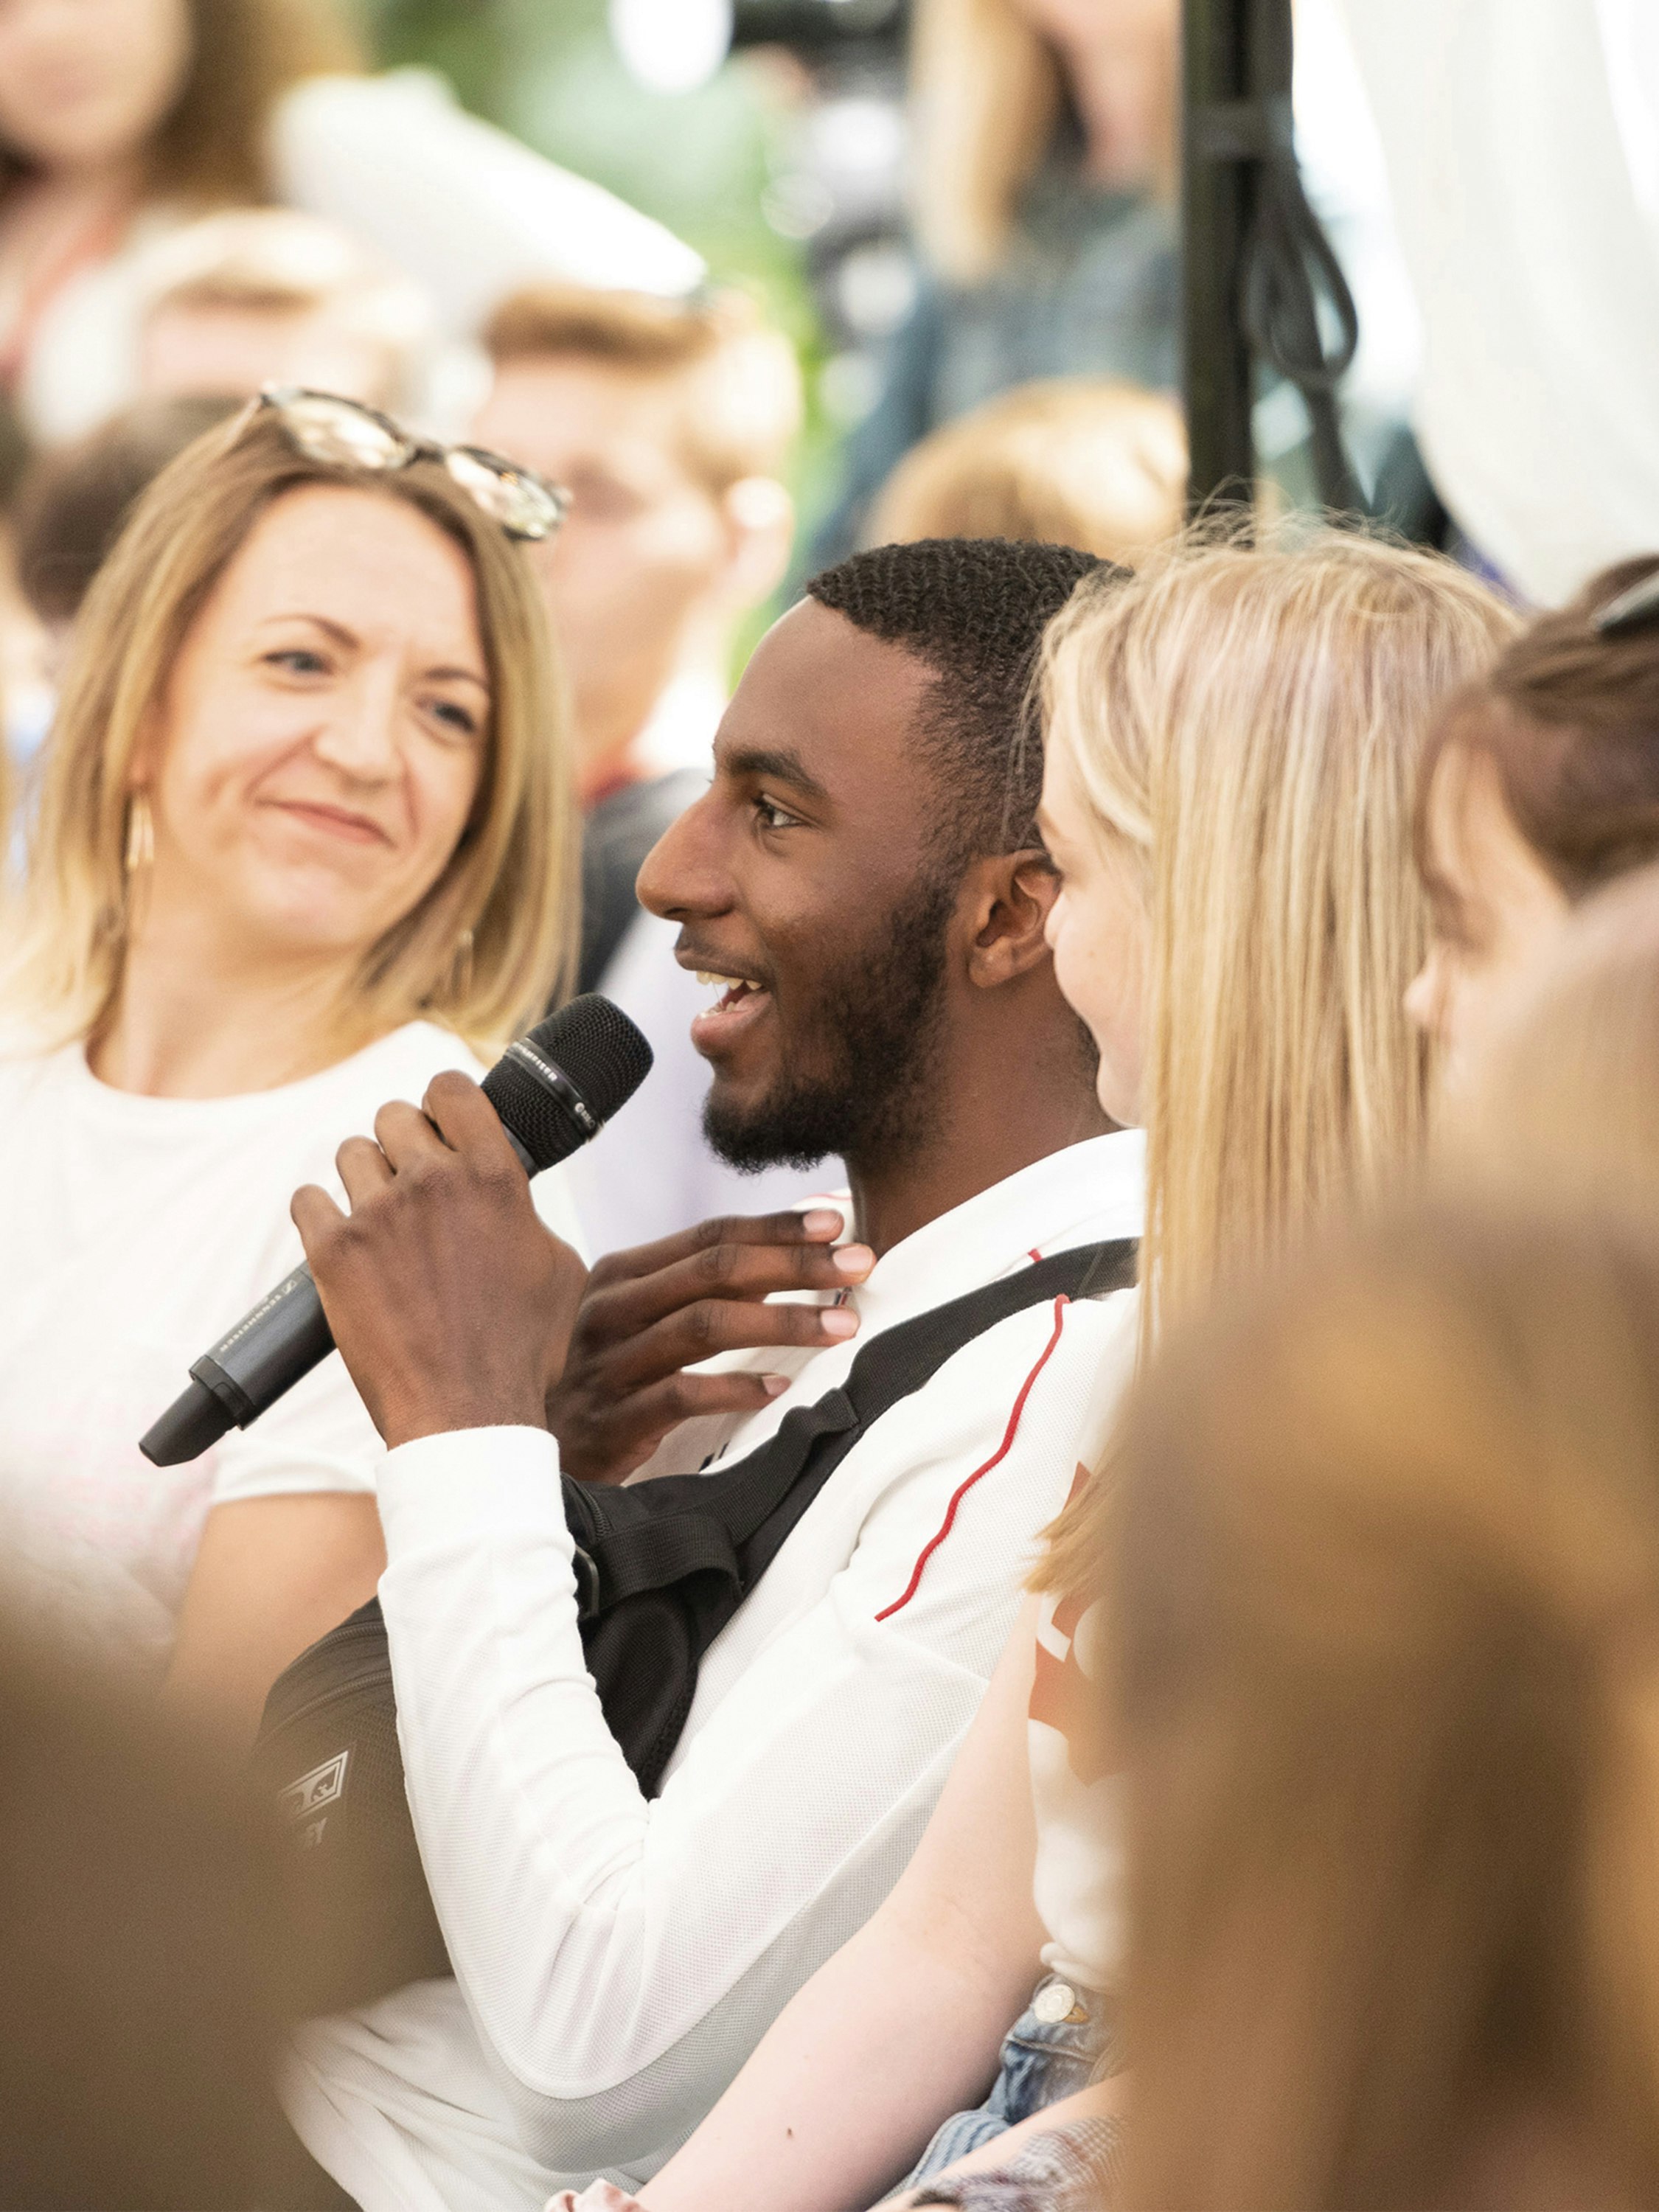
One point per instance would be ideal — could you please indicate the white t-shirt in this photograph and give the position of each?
(1522, 140)
(135, 1231)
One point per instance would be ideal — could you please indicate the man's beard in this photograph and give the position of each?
(873, 1032)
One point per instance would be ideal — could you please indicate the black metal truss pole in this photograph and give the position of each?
(1257, 269)
(1217, 198)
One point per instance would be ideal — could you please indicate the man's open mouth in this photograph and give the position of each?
(732, 989)
(741, 1002)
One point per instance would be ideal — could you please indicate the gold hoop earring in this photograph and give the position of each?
(141, 834)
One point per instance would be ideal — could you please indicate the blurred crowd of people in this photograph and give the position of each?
(1155, 1028)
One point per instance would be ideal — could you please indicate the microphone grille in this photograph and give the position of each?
(599, 1052)
(602, 1052)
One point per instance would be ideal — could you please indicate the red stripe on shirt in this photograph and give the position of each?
(996, 1458)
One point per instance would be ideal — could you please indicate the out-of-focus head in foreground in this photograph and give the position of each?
(138, 1937)
(1387, 1594)
(1542, 781)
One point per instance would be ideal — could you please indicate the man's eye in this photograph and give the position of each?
(770, 815)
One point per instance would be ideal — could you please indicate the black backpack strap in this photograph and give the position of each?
(653, 1533)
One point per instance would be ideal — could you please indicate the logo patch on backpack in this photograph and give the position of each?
(306, 1801)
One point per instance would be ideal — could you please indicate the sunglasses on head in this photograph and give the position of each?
(1636, 609)
(344, 434)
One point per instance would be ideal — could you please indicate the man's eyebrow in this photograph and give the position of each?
(785, 766)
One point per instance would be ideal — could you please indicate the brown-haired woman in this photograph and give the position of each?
(305, 832)
(1541, 783)
(120, 119)
(1385, 1663)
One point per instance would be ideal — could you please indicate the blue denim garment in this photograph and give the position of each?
(1043, 2061)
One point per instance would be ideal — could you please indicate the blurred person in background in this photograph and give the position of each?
(1541, 782)
(230, 304)
(1072, 460)
(302, 836)
(1232, 740)
(1521, 139)
(140, 1951)
(123, 119)
(71, 506)
(671, 428)
(265, 295)
(1383, 1596)
(73, 501)
(1044, 165)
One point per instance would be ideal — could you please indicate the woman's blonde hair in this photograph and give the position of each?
(495, 937)
(1243, 723)
(1384, 1588)
(986, 94)
(211, 150)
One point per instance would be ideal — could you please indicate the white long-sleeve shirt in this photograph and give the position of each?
(617, 1958)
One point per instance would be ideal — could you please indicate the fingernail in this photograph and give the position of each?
(820, 1222)
(853, 1260)
(774, 1385)
(837, 1322)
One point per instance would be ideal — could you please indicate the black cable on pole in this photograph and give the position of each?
(1268, 266)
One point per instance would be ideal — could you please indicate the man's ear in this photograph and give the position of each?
(1009, 896)
(760, 530)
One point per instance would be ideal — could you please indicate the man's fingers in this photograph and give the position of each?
(363, 1168)
(315, 1214)
(465, 1118)
(739, 1270)
(819, 1226)
(696, 1333)
(405, 1136)
(631, 1432)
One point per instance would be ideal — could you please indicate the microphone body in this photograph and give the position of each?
(554, 1090)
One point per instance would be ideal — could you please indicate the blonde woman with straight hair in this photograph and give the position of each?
(304, 839)
(1232, 737)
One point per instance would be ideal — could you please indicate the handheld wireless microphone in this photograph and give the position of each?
(553, 1089)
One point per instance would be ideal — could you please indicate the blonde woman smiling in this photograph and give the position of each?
(1233, 738)
(304, 837)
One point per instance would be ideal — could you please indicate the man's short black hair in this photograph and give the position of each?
(973, 608)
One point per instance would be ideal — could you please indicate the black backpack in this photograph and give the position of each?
(661, 1567)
